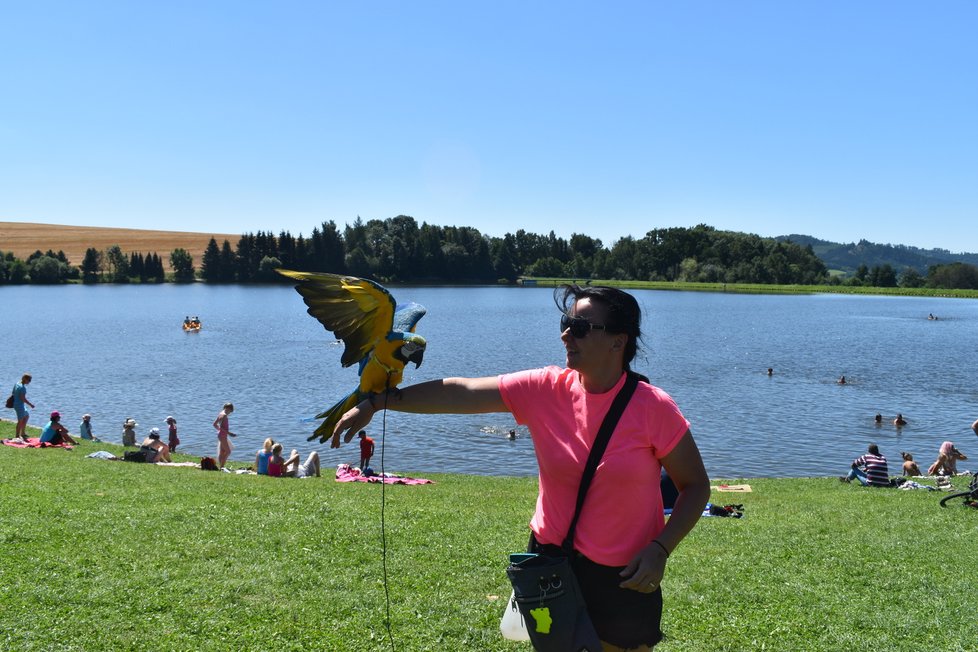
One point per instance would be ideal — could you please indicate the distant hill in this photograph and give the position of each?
(848, 257)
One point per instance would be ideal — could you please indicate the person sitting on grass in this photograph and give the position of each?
(156, 451)
(307, 469)
(947, 460)
(869, 469)
(85, 428)
(55, 434)
(129, 432)
(263, 455)
(279, 467)
(910, 468)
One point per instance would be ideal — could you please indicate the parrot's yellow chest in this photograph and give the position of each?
(378, 377)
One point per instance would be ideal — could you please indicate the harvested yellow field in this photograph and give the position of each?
(24, 238)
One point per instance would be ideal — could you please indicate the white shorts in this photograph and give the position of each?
(304, 470)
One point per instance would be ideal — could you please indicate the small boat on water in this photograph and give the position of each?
(191, 325)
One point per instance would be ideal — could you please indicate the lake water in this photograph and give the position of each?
(119, 351)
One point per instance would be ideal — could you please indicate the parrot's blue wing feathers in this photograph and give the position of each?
(407, 316)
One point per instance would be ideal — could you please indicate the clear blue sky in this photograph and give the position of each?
(838, 119)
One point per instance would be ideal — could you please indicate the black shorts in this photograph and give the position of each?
(622, 617)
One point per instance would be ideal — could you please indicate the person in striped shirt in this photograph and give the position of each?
(869, 469)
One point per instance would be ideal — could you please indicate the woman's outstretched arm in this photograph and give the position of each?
(444, 396)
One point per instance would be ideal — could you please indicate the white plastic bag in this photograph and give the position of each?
(512, 625)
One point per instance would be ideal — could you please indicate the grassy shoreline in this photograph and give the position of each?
(760, 288)
(116, 556)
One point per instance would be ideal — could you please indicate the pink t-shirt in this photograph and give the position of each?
(622, 512)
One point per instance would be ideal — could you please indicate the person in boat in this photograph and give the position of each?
(186, 321)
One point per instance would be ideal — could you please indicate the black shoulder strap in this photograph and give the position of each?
(597, 451)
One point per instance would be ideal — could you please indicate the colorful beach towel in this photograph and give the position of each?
(33, 442)
(347, 473)
(738, 488)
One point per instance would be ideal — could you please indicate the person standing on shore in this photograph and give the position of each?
(174, 441)
(20, 400)
(221, 425)
(622, 541)
(366, 450)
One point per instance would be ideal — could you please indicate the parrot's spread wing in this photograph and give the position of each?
(357, 311)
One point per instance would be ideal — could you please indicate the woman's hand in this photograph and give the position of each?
(644, 572)
(353, 421)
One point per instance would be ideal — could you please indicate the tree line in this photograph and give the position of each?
(398, 249)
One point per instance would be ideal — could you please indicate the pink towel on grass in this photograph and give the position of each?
(33, 442)
(347, 473)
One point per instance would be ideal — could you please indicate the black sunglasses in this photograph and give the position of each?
(579, 326)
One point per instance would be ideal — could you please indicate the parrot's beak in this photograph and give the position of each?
(416, 358)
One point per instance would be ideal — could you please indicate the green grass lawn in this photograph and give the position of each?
(98, 555)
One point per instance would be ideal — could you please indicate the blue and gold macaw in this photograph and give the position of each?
(378, 334)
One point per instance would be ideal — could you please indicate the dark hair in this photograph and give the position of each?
(624, 315)
(874, 449)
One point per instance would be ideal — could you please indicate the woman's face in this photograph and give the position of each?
(594, 350)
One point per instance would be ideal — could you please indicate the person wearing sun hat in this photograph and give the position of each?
(85, 428)
(129, 432)
(54, 433)
(174, 441)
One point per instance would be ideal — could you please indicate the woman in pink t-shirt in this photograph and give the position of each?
(622, 538)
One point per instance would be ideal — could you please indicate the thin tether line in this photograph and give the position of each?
(383, 526)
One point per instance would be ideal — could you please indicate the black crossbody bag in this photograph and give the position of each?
(545, 590)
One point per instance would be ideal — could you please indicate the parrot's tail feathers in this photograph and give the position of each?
(333, 414)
